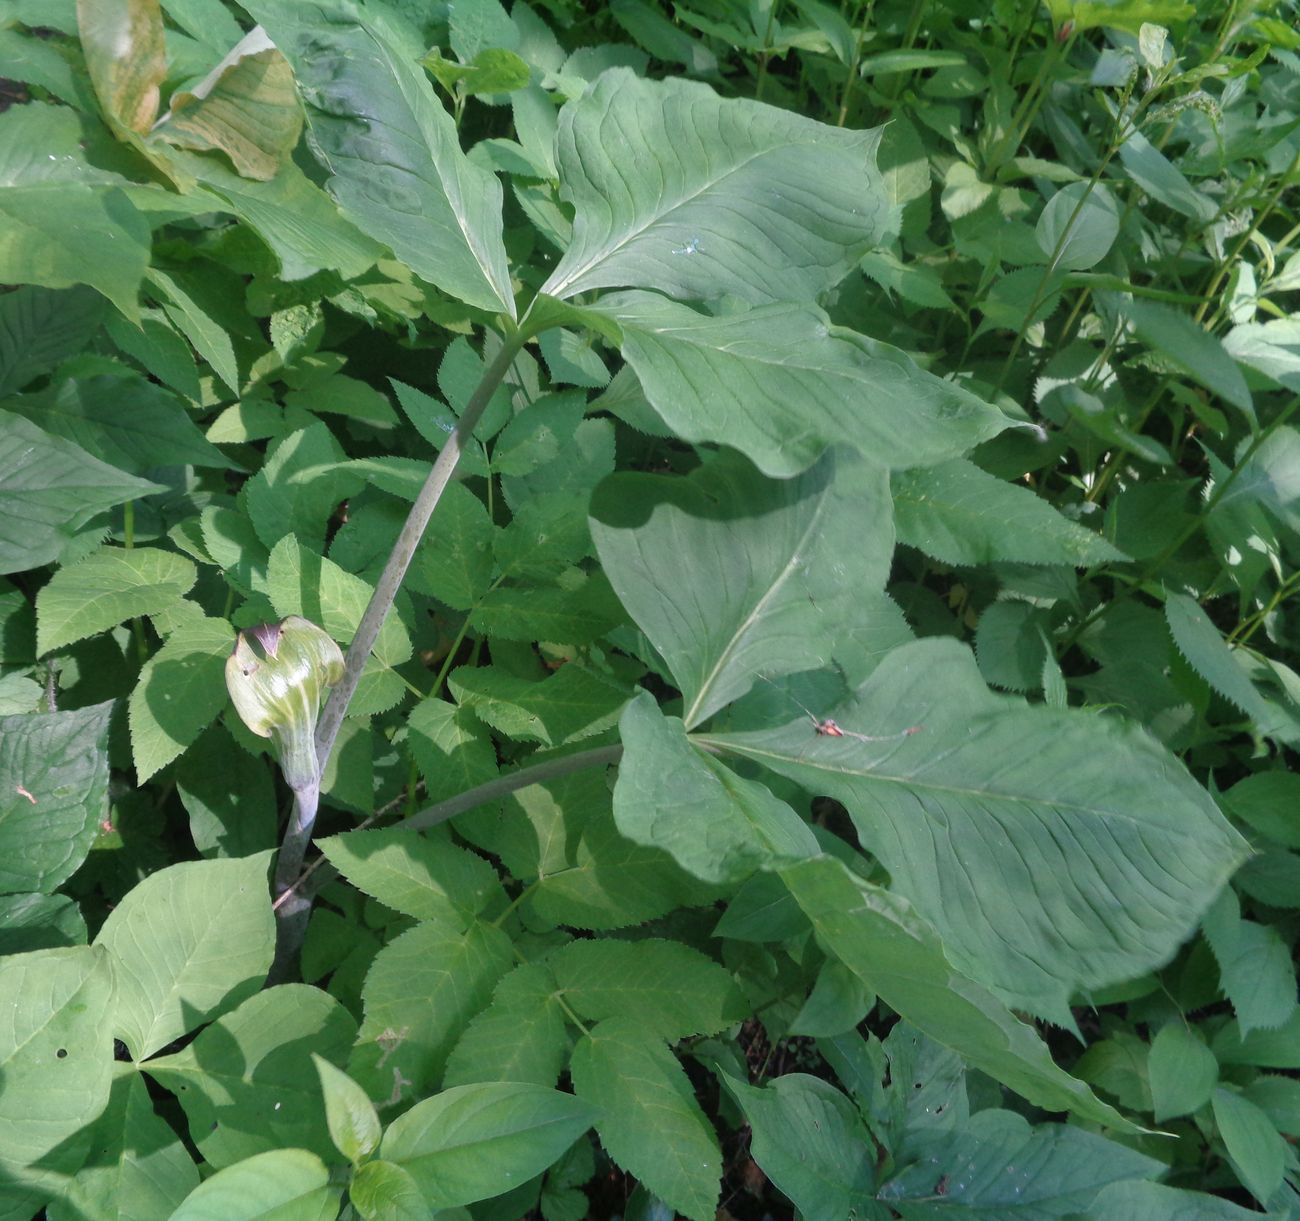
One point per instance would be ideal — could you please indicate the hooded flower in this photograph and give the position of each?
(277, 676)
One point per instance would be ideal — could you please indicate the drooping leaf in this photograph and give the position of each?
(960, 514)
(53, 794)
(122, 41)
(179, 692)
(397, 168)
(62, 222)
(998, 1166)
(679, 190)
(33, 921)
(246, 1082)
(188, 944)
(573, 704)
(877, 935)
(56, 1048)
(304, 479)
(647, 1116)
(246, 107)
(466, 1143)
(781, 384)
(106, 588)
(731, 574)
(1116, 850)
(209, 337)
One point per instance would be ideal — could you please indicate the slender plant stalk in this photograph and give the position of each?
(293, 907)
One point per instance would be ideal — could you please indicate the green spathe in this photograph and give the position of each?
(277, 676)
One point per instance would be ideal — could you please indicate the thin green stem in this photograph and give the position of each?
(763, 55)
(864, 13)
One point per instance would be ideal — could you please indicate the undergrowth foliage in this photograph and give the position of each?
(809, 500)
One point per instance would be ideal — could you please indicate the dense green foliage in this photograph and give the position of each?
(828, 752)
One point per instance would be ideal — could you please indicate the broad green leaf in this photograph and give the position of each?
(877, 935)
(1278, 1048)
(423, 988)
(137, 1167)
(1053, 850)
(229, 796)
(468, 1142)
(1182, 1071)
(296, 492)
(453, 562)
(1163, 181)
(246, 1082)
(677, 189)
(180, 691)
(520, 1036)
(1256, 971)
(1186, 345)
(664, 40)
(1270, 347)
(1078, 226)
(960, 514)
(715, 824)
(451, 748)
(53, 794)
(39, 327)
(127, 421)
(647, 1115)
(246, 108)
(62, 222)
(1153, 1202)
(781, 384)
(1268, 801)
(300, 582)
(426, 877)
(50, 489)
(808, 1139)
(353, 1124)
(572, 704)
(56, 1048)
(208, 21)
(1279, 1099)
(669, 988)
(577, 613)
(283, 1185)
(996, 1165)
(399, 174)
(1255, 1147)
(839, 1001)
(188, 944)
(122, 41)
(730, 573)
(106, 588)
(1201, 643)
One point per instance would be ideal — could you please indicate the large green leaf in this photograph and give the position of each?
(56, 1048)
(39, 327)
(106, 588)
(810, 1141)
(996, 1165)
(138, 1166)
(397, 168)
(423, 988)
(61, 221)
(667, 987)
(247, 1082)
(960, 514)
(730, 573)
(715, 824)
(49, 489)
(469, 1142)
(189, 943)
(180, 691)
(284, 1185)
(53, 794)
(780, 383)
(879, 937)
(1054, 850)
(677, 189)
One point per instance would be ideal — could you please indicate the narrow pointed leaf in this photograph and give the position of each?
(1054, 851)
(677, 189)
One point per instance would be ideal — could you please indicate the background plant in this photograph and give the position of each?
(753, 409)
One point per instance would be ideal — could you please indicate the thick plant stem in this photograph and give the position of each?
(292, 910)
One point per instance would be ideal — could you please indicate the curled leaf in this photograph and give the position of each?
(277, 675)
